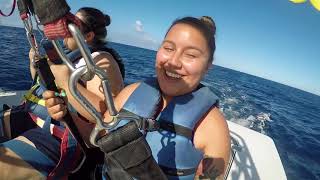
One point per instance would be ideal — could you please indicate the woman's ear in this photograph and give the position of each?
(89, 36)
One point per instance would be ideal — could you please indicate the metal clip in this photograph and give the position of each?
(149, 124)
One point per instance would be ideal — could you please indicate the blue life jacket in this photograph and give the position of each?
(172, 144)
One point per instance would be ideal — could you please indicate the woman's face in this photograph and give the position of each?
(69, 42)
(182, 60)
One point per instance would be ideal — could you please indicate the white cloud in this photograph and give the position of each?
(134, 39)
(147, 37)
(139, 26)
(140, 37)
(136, 36)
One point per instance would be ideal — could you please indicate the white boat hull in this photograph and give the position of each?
(254, 156)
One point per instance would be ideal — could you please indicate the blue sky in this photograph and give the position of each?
(273, 39)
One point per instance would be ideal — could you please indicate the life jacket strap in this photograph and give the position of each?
(176, 128)
(149, 124)
(32, 98)
(177, 172)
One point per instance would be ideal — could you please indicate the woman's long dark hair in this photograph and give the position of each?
(96, 21)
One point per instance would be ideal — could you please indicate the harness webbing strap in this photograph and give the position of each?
(70, 154)
(154, 125)
(177, 172)
(128, 153)
(59, 28)
(30, 97)
(176, 128)
(54, 129)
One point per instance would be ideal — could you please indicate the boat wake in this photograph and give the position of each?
(6, 93)
(238, 106)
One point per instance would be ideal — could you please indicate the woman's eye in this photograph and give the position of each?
(190, 55)
(169, 49)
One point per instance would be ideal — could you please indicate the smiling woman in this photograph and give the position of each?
(185, 56)
(12, 9)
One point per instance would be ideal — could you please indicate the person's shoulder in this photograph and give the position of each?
(215, 120)
(217, 147)
(125, 93)
(103, 57)
(215, 115)
(213, 123)
(130, 88)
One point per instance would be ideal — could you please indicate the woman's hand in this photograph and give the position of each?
(56, 106)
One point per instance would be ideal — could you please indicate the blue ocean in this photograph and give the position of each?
(288, 115)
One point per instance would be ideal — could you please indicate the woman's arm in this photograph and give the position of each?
(213, 138)
(62, 74)
(107, 63)
(93, 90)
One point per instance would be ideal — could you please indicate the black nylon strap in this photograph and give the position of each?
(177, 172)
(153, 125)
(127, 151)
(47, 79)
(176, 128)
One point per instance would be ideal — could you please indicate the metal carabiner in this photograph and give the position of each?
(87, 73)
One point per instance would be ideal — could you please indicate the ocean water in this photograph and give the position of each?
(288, 115)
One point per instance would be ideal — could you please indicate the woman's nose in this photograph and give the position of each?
(175, 60)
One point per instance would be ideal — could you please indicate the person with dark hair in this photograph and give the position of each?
(34, 152)
(93, 27)
(188, 137)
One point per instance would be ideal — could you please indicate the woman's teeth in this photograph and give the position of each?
(173, 75)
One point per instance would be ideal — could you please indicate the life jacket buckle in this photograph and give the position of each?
(149, 124)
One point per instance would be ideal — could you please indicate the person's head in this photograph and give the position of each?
(93, 27)
(185, 55)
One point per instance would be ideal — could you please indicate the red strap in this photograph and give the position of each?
(56, 131)
(24, 16)
(63, 168)
(13, 7)
(52, 55)
(59, 28)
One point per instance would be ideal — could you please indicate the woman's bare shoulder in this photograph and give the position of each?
(213, 124)
(127, 91)
(124, 94)
(104, 58)
(212, 137)
(121, 98)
